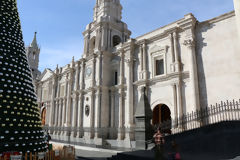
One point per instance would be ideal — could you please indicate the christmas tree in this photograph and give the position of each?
(20, 125)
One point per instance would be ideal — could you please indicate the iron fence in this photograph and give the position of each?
(224, 111)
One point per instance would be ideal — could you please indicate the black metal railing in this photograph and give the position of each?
(224, 111)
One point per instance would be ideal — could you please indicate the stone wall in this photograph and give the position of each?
(218, 59)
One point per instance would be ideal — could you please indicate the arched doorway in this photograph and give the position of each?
(162, 117)
(43, 116)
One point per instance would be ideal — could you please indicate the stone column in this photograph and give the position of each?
(141, 58)
(112, 108)
(74, 115)
(121, 115)
(56, 116)
(86, 44)
(58, 104)
(69, 101)
(66, 103)
(176, 51)
(145, 61)
(112, 132)
(94, 72)
(109, 38)
(98, 40)
(63, 114)
(121, 100)
(92, 108)
(193, 73)
(52, 100)
(104, 38)
(47, 114)
(97, 113)
(175, 101)
(77, 76)
(172, 47)
(129, 119)
(122, 68)
(82, 75)
(80, 116)
(59, 113)
(104, 110)
(179, 99)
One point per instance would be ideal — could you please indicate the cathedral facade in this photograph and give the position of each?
(184, 66)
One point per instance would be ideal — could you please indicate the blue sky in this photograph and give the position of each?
(60, 23)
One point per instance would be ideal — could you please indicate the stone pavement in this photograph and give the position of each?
(90, 153)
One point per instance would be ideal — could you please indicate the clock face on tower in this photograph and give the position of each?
(88, 71)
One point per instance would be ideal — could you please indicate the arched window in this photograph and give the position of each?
(116, 40)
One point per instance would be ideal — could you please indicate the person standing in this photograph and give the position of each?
(159, 142)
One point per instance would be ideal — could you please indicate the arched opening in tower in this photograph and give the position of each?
(116, 40)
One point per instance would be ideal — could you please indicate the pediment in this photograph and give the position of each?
(47, 73)
(157, 48)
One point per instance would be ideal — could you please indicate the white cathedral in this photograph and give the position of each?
(184, 66)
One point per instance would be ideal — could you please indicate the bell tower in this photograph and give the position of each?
(33, 52)
(101, 37)
(107, 29)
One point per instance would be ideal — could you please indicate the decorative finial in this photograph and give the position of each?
(57, 70)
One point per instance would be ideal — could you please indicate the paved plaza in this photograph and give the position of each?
(90, 153)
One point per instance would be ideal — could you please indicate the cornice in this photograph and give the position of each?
(168, 77)
(188, 22)
(142, 41)
(180, 25)
(219, 18)
(156, 37)
(117, 26)
(174, 25)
